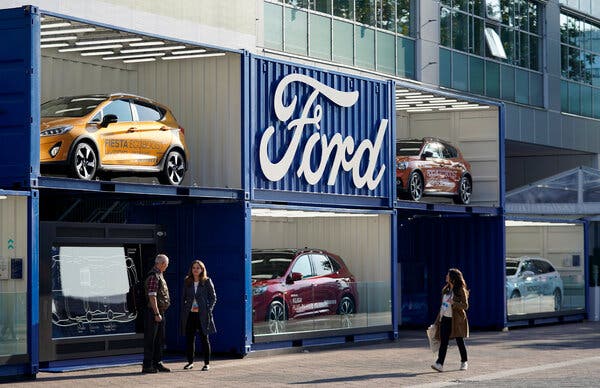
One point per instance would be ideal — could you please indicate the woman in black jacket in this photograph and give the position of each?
(199, 299)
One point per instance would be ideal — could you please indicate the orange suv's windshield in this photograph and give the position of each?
(70, 106)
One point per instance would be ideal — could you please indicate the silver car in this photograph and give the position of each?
(532, 276)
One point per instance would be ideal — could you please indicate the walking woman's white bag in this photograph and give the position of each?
(434, 344)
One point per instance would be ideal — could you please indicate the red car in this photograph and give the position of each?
(297, 283)
(431, 166)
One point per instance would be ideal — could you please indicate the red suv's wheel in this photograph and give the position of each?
(276, 317)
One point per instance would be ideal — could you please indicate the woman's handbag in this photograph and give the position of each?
(434, 343)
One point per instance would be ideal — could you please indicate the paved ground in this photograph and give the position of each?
(553, 356)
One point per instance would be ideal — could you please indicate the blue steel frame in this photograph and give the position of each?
(585, 224)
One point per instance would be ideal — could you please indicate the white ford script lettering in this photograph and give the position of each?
(336, 147)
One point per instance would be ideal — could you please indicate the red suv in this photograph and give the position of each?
(431, 166)
(297, 283)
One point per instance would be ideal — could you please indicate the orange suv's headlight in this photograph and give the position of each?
(56, 130)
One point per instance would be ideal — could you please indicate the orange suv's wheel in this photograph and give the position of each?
(173, 170)
(84, 162)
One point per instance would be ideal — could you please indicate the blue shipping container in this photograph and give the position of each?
(314, 133)
(19, 97)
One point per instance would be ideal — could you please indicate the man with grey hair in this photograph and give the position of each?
(154, 329)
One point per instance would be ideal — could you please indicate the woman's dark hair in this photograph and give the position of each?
(458, 282)
(189, 279)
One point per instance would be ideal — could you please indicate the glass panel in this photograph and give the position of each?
(445, 37)
(119, 108)
(587, 36)
(89, 291)
(403, 17)
(524, 49)
(323, 6)
(534, 51)
(478, 37)
(533, 17)
(574, 105)
(521, 15)
(494, 43)
(564, 28)
(344, 9)
(445, 68)
(507, 35)
(522, 86)
(596, 70)
(564, 96)
(296, 31)
(492, 79)
(574, 64)
(596, 103)
(273, 26)
(564, 61)
(588, 67)
(365, 11)
(536, 89)
(365, 47)
(386, 58)
(405, 61)
(343, 42)
(320, 37)
(476, 75)
(460, 31)
(595, 38)
(586, 101)
(388, 15)
(507, 85)
(460, 71)
(298, 3)
(463, 5)
(492, 9)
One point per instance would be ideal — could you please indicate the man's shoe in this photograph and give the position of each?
(206, 367)
(438, 367)
(149, 369)
(464, 365)
(189, 365)
(161, 368)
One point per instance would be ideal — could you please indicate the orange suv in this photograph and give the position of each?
(117, 134)
(431, 166)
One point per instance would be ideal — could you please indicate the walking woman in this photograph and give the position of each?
(452, 318)
(199, 299)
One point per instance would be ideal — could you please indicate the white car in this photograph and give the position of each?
(529, 276)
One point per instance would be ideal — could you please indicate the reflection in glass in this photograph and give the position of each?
(89, 291)
(297, 291)
(13, 323)
(344, 9)
(537, 285)
(365, 11)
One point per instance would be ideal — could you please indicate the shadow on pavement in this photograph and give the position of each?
(362, 378)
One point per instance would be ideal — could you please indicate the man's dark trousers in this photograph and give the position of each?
(154, 339)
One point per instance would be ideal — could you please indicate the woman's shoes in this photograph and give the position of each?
(206, 367)
(188, 366)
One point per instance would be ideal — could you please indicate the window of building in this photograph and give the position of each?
(370, 34)
(504, 32)
(580, 64)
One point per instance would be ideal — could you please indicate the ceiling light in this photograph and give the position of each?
(155, 43)
(427, 96)
(198, 51)
(92, 42)
(415, 98)
(402, 90)
(134, 56)
(141, 50)
(466, 107)
(410, 94)
(140, 60)
(58, 39)
(68, 31)
(55, 25)
(93, 53)
(419, 110)
(88, 48)
(195, 56)
(51, 45)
